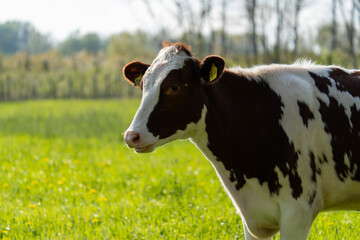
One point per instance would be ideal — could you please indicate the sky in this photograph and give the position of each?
(61, 18)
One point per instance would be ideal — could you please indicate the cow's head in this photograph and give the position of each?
(174, 95)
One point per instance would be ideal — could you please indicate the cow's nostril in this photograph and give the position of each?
(133, 138)
(136, 138)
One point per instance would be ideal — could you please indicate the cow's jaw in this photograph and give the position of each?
(168, 59)
(146, 149)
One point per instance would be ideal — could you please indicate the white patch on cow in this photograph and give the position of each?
(168, 59)
(346, 160)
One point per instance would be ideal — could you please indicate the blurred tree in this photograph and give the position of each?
(71, 45)
(334, 26)
(298, 7)
(279, 29)
(22, 36)
(265, 15)
(324, 37)
(350, 29)
(38, 43)
(251, 12)
(91, 43)
(224, 19)
(9, 37)
(130, 45)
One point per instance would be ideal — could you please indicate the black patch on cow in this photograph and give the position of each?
(312, 197)
(313, 166)
(314, 169)
(322, 83)
(245, 134)
(345, 82)
(232, 176)
(305, 112)
(323, 159)
(345, 138)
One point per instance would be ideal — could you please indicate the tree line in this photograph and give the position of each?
(89, 66)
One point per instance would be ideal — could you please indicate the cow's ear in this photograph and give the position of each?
(134, 71)
(211, 68)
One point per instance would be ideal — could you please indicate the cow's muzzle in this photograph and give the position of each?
(135, 140)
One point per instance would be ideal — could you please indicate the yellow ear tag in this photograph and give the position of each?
(213, 72)
(138, 80)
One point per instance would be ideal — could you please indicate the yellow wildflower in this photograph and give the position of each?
(28, 223)
(103, 199)
(95, 220)
(92, 191)
(220, 218)
(32, 205)
(61, 181)
(5, 185)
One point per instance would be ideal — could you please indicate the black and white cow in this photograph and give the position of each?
(283, 139)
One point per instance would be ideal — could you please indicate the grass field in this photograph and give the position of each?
(67, 174)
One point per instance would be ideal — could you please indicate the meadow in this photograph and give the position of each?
(67, 174)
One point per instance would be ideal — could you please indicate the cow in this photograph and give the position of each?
(283, 139)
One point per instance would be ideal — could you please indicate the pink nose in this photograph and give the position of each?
(133, 139)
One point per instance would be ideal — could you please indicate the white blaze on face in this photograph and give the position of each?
(168, 59)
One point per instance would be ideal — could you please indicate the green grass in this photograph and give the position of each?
(67, 174)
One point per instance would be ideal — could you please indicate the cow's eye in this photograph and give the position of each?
(174, 88)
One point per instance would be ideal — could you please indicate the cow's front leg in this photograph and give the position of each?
(295, 223)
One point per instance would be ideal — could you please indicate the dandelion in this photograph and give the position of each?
(95, 220)
(33, 183)
(182, 235)
(32, 206)
(103, 199)
(5, 185)
(220, 218)
(4, 231)
(61, 181)
(28, 223)
(92, 191)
